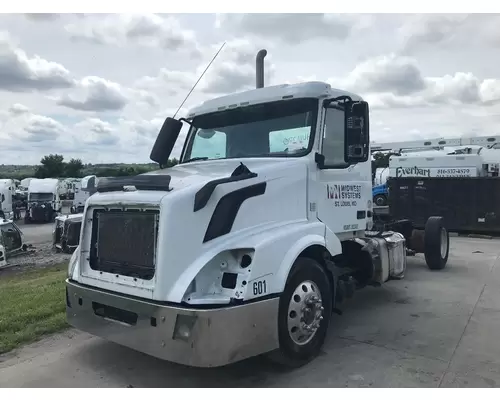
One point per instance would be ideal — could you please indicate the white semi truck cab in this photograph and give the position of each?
(251, 242)
(83, 190)
(44, 200)
(7, 190)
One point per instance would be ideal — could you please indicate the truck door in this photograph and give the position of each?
(343, 191)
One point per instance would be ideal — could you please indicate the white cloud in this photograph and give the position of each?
(42, 16)
(95, 94)
(430, 30)
(399, 75)
(289, 28)
(39, 128)
(99, 86)
(96, 132)
(19, 72)
(168, 82)
(393, 81)
(234, 70)
(18, 109)
(422, 32)
(148, 30)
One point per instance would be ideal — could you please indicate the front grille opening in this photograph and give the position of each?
(124, 242)
(115, 314)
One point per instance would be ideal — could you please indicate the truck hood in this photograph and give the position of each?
(197, 173)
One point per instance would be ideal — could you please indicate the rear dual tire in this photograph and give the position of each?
(436, 243)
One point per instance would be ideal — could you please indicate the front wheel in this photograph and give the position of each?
(304, 314)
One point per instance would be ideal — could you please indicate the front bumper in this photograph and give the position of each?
(217, 336)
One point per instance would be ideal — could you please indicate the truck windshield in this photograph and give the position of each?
(41, 197)
(278, 129)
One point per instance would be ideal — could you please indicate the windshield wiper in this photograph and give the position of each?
(196, 159)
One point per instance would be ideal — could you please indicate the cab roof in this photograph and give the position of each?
(268, 94)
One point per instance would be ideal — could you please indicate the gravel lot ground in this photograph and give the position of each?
(41, 254)
(434, 328)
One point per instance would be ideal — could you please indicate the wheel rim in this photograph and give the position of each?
(379, 201)
(444, 243)
(304, 313)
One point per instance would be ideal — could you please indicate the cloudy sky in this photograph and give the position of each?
(98, 86)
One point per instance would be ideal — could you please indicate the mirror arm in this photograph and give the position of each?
(320, 160)
(186, 121)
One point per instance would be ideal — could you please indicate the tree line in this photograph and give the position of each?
(54, 166)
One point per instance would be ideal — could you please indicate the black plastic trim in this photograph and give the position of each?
(203, 195)
(361, 214)
(140, 182)
(227, 208)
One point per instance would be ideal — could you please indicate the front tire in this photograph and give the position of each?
(304, 314)
(436, 243)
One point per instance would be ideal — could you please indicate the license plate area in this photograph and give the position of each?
(115, 314)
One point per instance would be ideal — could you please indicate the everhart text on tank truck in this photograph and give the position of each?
(249, 244)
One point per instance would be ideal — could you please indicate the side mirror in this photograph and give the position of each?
(357, 132)
(165, 141)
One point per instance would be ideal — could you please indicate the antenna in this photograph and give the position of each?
(199, 79)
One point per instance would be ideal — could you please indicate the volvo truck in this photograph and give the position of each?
(249, 244)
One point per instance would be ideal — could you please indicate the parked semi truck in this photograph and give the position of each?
(7, 191)
(83, 190)
(44, 201)
(241, 249)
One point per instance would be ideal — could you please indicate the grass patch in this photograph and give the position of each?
(32, 304)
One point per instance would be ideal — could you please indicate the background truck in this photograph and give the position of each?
(456, 178)
(66, 232)
(243, 248)
(380, 194)
(7, 191)
(83, 190)
(44, 200)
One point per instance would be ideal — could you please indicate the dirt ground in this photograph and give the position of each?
(40, 252)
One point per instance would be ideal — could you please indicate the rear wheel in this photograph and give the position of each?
(436, 243)
(380, 200)
(304, 314)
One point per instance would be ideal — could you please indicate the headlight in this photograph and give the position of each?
(73, 261)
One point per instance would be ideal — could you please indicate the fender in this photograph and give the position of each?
(333, 246)
(272, 255)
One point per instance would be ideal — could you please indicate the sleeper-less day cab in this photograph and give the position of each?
(249, 244)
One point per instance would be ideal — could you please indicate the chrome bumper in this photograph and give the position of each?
(195, 337)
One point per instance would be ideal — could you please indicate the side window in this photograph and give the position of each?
(333, 138)
(289, 140)
(213, 147)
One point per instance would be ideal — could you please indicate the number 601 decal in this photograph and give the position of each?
(259, 287)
